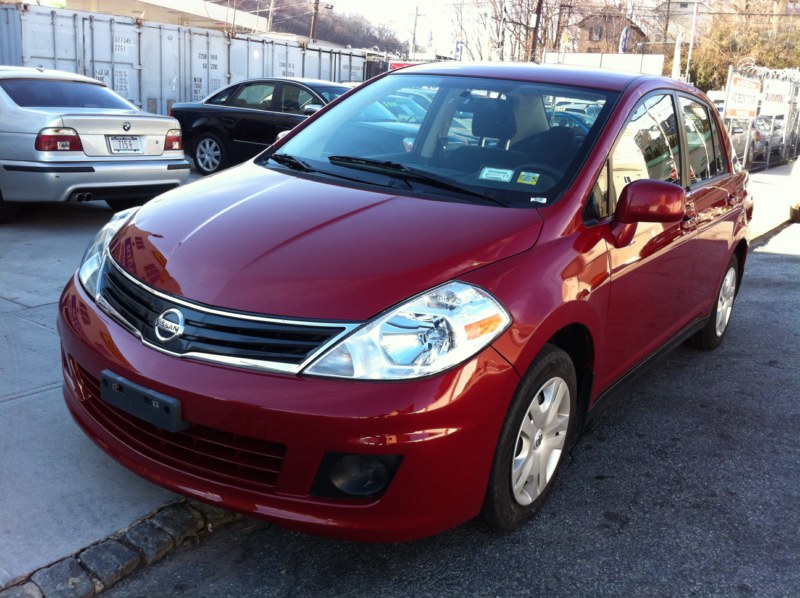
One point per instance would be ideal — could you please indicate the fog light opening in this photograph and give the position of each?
(355, 476)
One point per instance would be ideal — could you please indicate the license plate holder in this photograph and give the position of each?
(148, 405)
(125, 144)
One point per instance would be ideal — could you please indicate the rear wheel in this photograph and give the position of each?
(536, 434)
(710, 337)
(210, 155)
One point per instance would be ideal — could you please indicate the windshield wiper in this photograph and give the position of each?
(290, 162)
(410, 173)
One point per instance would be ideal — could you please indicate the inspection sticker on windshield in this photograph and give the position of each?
(528, 178)
(496, 174)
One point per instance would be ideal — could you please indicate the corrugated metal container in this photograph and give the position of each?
(155, 65)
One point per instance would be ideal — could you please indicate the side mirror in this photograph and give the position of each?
(311, 109)
(281, 135)
(646, 200)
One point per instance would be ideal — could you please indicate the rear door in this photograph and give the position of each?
(253, 124)
(716, 193)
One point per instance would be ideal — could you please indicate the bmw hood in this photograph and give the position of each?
(255, 240)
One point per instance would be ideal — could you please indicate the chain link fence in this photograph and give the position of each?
(761, 114)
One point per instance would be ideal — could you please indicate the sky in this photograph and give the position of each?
(434, 19)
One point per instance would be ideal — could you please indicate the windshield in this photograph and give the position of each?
(331, 92)
(504, 140)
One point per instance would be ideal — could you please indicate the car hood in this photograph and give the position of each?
(256, 240)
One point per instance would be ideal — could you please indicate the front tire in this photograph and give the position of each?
(710, 337)
(210, 155)
(537, 433)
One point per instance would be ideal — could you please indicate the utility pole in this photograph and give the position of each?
(413, 52)
(536, 29)
(271, 10)
(314, 15)
(559, 28)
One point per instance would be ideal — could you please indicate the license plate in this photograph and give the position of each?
(125, 144)
(148, 405)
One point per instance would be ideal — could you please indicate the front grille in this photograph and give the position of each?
(215, 455)
(234, 338)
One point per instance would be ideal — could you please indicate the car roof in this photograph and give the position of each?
(542, 73)
(28, 72)
(301, 80)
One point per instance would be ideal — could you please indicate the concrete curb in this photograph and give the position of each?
(99, 566)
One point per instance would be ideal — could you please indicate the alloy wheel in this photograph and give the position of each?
(208, 154)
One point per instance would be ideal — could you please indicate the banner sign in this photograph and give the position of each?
(777, 95)
(743, 97)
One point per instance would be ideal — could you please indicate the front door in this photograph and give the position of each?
(651, 276)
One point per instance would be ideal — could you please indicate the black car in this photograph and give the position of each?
(239, 121)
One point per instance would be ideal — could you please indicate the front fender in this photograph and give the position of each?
(560, 283)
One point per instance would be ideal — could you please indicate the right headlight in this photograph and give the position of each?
(426, 335)
(94, 256)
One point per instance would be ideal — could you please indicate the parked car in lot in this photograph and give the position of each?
(580, 123)
(767, 138)
(368, 337)
(763, 138)
(243, 119)
(66, 137)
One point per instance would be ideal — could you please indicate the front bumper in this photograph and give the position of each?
(445, 429)
(61, 181)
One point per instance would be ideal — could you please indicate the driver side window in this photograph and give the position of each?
(648, 147)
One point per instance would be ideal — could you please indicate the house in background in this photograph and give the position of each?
(677, 17)
(607, 30)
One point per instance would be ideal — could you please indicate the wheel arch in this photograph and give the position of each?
(576, 340)
(740, 251)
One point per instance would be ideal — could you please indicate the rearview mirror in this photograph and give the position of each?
(311, 109)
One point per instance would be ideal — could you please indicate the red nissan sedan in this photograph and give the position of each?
(379, 329)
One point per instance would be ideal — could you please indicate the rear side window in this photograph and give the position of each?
(43, 93)
(255, 95)
(702, 142)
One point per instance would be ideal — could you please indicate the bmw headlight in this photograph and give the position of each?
(93, 257)
(428, 334)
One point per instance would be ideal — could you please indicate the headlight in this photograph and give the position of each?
(428, 334)
(93, 257)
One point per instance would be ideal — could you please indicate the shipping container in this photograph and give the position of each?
(155, 65)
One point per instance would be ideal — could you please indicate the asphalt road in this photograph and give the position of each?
(688, 485)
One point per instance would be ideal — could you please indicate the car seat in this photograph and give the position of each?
(492, 119)
(556, 146)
